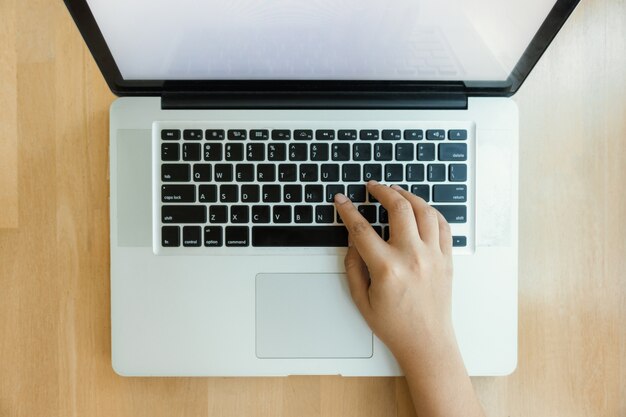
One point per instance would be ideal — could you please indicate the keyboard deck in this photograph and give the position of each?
(240, 188)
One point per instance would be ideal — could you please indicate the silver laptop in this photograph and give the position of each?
(237, 123)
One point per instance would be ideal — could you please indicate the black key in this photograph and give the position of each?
(299, 236)
(191, 151)
(422, 191)
(329, 172)
(346, 135)
(394, 172)
(403, 186)
(383, 216)
(202, 172)
(341, 152)
(453, 152)
(229, 193)
(378, 230)
(287, 172)
(183, 214)
(276, 152)
(415, 172)
(207, 193)
(453, 213)
(362, 152)
(259, 134)
(425, 152)
(223, 172)
(303, 214)
(271, 193)
(237, 236)
(368, 134)
(281, 134)
(325, 134)
(170, 235)
(413, 134)
(405, 152)
(303, 134)
(213, 152)
(281, 214)
(308, 172)
(369, 212)
(436, 134)
(191, 236)
(313, 193)
(325, 214)
(255, 152)
(331, 190)
(371, 198)
(178, 193)
(260, 214)
(250, 193)
(351, 172)
(457, 134)
(192, 134)
(233, 152)
(319, 152)
(213, 236)
(244, 173)
(170, 151)
(459, 241)
(266, 173)
(170, 134)
(175, 172)
(392, 134)
(298, 152)
(383, 152)
(450, 193)
(457, 172)
(218, 214)
(372, 172)
(356, 193)
(386, 233)
(292, 193)
(214, 134)
(239, 214)
(436, 172)
(237, 134)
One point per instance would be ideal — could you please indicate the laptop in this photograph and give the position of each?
(236, 124)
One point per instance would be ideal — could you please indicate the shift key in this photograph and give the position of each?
(183, 214)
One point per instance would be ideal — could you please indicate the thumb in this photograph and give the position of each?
(358, 279)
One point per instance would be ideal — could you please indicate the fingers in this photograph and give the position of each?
(402, 225)
(370, 246)
(358, 280)
(425, 215)
(445, 235)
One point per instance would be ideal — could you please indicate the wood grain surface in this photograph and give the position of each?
(54, 263)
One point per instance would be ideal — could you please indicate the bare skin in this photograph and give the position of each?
(403, 289)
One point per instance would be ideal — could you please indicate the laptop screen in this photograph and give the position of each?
(437, 40)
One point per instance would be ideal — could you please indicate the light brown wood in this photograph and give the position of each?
(54, 272)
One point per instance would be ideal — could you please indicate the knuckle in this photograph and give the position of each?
(401, 205)
(428, 211)
(359, 227)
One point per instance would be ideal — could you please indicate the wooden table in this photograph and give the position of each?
(54, 263)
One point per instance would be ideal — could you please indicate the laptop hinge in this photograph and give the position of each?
(335, 100)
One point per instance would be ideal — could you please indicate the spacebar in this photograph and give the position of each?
(299, 236)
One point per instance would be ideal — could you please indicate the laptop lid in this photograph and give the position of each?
(349, 48)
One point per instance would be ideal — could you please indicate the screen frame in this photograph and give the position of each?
(86, 23)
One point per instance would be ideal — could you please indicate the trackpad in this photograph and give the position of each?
(308, 316)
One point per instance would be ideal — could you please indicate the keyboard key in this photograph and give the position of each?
(229, 193)
(271, 193)
(170, 152)
(383, 215)
(183, 214)
(415, 172)
(329, 172)
(313, 193)
(449, 193)
(207, 193)
(308, 173)
(244, 173)
(453, 213)
(303, 134)
(356, 193)
(341, 152)
(213, 236)
(436, 172)
(237, 134)
(170, 134)
(233, 152)
(370, 134)
(319, 152)
(298, 152)
(259, 134)
(178, 193)
(386, 233)
(250, 193)
(292, 193)
(383, 152)
(218, 214)
(202, 172)
(459, 241)
(192, 134)
(394, 172)
(351, 172)
(281, 134)
(266, 173)
(392, 134)
(425, 152)
(299, 236)
(255, 152)
(191, 236)
(413, 134)
(403, 186)
(213, 152)
(325, 134)
(422, 191)
(369, 212)
(214, 134)
(287, 172)
(346, 135)
(331, 190)
(303, 214)
(362, 152)
(372, 172)
(325, 214)
(170, 235)
(437, 134)
(276, 152)
(405, 152)
(281, 214)
(175, 172)
(453, 152)
(237, 236)
(223, 172)
(239, 214)
(457, 134)
(191, 151)
(457, 172)
(260, 214)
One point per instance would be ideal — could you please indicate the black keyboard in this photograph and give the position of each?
(232, 187)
